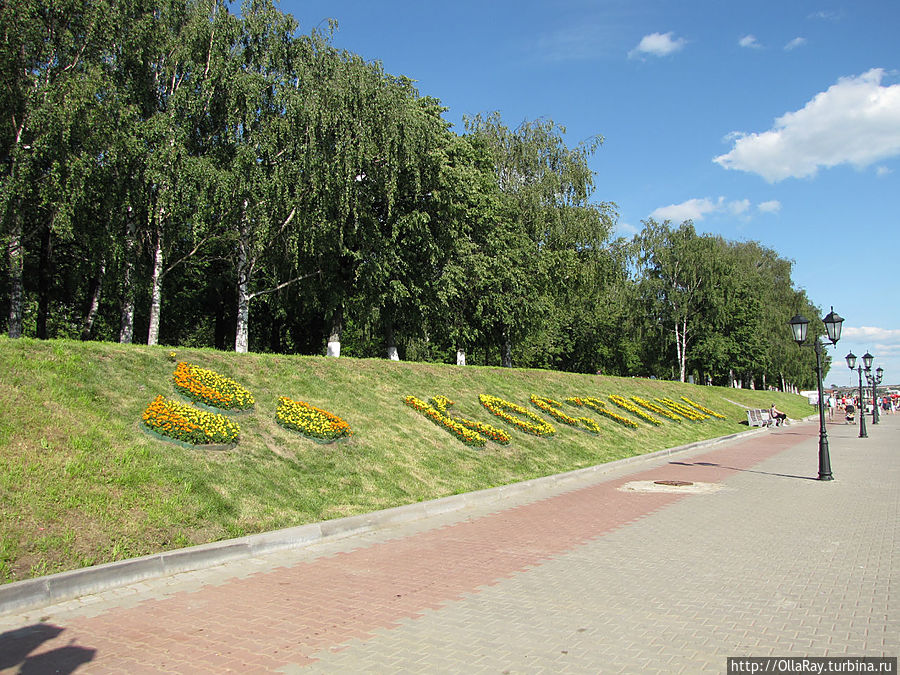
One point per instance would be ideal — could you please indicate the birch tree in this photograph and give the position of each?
(675, 266)
(546, 189)
(50, 63)
(261, 185)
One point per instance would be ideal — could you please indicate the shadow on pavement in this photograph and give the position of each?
(16, 645)
(735, 468)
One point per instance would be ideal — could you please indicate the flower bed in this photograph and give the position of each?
(703, 409)
(208, 387)
(625, 404)
(311, 421)
(504, 410)
(189, 424)
(491, 433)
(467, 436)
(549, 406)
(600, 407)
(653, 407)
(589, 425)
(683, 410)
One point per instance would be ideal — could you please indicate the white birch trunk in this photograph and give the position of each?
(334, 337)
(126, 324)
(16, 257)
(242, 330)
(392, 352)
(681, 348)
(156, 293)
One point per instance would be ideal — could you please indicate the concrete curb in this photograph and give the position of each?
(40, 592)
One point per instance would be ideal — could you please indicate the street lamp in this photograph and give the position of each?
(799, 326)
(875, 379)
(851, 362)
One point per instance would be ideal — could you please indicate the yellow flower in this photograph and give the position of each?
(311, 421)
(187, 423)
(210, 388)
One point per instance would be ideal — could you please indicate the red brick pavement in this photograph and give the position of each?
(279, 617)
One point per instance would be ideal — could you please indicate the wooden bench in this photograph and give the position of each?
(759, 418)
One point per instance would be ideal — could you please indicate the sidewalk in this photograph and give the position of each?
(582, 578)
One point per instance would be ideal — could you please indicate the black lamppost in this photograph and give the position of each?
(875, 379)
(851, 362)
(832, 323)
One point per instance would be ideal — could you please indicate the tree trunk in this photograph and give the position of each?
(334, 336)
(764, 381)
(126, 322)
(45, 275)
(392, 353)
(241, 335)
(460, 356)
(156, 292)
(16, 257)
(681, 348)
(506, 358)
(94, 303)
(244, 272)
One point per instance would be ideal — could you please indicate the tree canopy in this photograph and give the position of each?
(176, 173)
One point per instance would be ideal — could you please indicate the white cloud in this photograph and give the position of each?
(692, 209)
(889, 336)
(657, 44)
(793, 44)
(856, 122)
(826, 15)
(750, 42)
(698, 209)
(740, 206)
(882, 171)
(773, 206)
(625, 229)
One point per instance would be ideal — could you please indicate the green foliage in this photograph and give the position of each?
(718, 308)
(201, 177)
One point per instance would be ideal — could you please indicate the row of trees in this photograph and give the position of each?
(173, 170)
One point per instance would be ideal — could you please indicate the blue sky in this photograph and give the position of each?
(777, 122)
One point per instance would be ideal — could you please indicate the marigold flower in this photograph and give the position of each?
(210, 388)
(311, 421)
(189, 424)
(536, 426)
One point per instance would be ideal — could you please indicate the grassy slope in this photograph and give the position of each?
(82, 484)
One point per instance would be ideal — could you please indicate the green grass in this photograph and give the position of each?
(81, 483)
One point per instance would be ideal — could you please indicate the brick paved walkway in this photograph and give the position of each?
(593, 579)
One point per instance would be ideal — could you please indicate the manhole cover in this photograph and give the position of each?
(673, 483)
